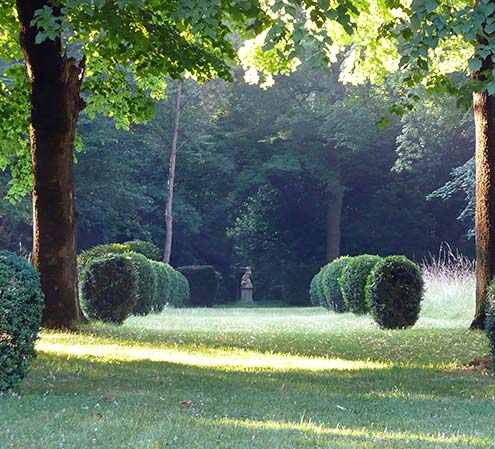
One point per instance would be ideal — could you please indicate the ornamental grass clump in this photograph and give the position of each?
(21, 305)
(394, 291)
(353, 282)
(109, 288)
(330, 282)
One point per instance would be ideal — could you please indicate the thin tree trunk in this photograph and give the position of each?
(55, 105)
(169, 219)
(484, 116)
(334, 210)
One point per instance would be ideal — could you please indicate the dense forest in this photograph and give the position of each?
(284, 177)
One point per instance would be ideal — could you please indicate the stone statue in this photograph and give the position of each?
(246, 279)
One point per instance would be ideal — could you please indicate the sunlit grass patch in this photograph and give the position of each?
(273, 378)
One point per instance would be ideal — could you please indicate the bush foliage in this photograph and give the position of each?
(330, 276)
(21, 304)
(295, 290)
(202, 284)
(109, 288)
(353, 282)
(394, 291)
(146, 283)
(316, 294)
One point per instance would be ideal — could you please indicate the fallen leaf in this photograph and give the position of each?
(187, 404)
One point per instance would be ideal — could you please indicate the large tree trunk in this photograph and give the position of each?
(334, 210)
(169, 219)
(484, 117)
(55, 106)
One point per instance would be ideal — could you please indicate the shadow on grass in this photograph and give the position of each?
(138, 401)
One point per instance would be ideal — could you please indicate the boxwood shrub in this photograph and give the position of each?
(353, 282)
(163, 285)
(202, 284)
(182, 290)
(330, 282)
(316, 290)
(21, 305)
(490, 318)
(146, 283)
(109, 288)
(147, 249)
(394, 291)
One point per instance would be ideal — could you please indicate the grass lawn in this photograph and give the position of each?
(259, 378)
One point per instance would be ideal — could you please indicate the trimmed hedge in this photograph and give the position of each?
(147, 249)
(202, 284)
(353, 282)
(490, 318)
(182, 291)
(394, 291)
(109, 288)
(146, 283)
(330, 282)
(316, 294)
(296, 279)
(163, 283)
(21, 305)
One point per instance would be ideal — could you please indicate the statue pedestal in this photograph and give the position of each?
(247, 295)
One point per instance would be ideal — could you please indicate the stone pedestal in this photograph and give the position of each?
(247, 295)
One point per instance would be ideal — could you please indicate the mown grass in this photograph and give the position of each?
(258, 378)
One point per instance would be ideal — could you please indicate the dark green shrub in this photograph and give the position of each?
(297, 278)
(202, 284)
(353, 282)
(163, 285)
(394, 291)
(182, 292)
(316, 294)
(21, 304)
(490, 318)
(221, 294)
(109, 288)
(330, 282)
(147, 249)
(146, 283)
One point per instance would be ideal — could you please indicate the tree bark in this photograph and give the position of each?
(55, 105)
(334, 210)
(169, 219)
(484, 117)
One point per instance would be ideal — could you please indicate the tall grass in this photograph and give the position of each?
(449, 286)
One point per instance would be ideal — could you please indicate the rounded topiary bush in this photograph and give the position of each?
(490, 318)
(394, 291)
(147, 249)
(202, 284)
(163, 285)
(316, 290)
(21, 304)
(109, 288)
(330, 283)
(353, 282)
(182, 290)
(146, 283)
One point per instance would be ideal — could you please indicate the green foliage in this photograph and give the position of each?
(394, 291)
(490, 318)
(21, 304)
(109, 288)
(330, 282)
(297, 278)
(202, 284)
(181, 297)
(353, 282)
(147, 249)
(146, 283)
(165, 285)
(316, 293)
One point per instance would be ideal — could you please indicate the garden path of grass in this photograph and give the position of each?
(259, 378)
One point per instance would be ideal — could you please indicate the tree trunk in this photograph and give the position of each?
(55, 105)
(484, 117)
(169, 219)
(334, 210)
